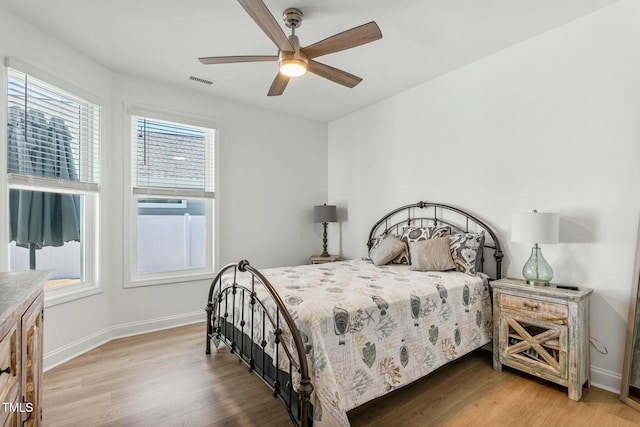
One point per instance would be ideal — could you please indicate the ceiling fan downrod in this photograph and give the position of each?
(293, 64)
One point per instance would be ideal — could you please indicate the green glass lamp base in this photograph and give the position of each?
(537, 270)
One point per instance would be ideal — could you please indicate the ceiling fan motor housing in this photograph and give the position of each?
(292, 17)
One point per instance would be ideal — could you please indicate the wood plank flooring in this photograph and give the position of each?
(165, 379)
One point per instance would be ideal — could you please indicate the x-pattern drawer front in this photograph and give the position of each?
(538, 345)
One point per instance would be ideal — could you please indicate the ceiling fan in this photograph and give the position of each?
(293, 59)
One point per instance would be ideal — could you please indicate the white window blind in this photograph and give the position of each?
(53, 135)
(172, 159)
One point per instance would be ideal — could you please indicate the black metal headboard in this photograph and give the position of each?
(427, 214)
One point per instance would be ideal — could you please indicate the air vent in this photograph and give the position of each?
(200, 80)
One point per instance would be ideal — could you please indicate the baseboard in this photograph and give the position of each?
(606, 380)
(63, 354)
(76, 348)
(145, 326)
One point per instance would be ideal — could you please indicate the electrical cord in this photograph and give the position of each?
(598, 346)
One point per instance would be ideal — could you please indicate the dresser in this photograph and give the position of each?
(21, 317)
(543, 331)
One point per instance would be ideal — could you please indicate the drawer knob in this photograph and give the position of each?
(531, 306)
(6, 370)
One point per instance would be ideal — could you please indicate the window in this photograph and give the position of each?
(53, 140)
(172, 194)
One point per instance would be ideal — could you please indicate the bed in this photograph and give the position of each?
(329, 337)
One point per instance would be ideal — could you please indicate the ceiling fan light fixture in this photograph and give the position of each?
(292, 64)
(293, 67)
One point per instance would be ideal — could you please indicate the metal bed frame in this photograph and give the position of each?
(459, 220)
(222, 315)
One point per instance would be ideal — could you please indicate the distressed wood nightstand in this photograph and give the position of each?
(317, 259)
(542, 330)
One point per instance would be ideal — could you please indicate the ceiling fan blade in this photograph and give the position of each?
(279, 85)
(234, 59)
(345, 40)
(265, 20)
(333, 74)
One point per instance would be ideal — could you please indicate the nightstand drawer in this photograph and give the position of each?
(538, 308)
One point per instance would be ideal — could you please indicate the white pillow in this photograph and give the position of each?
(386, 250)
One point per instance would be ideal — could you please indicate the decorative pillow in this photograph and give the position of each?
(375, 241)
(386, 249)
(414, 234)
(431, 255)
(440, 231)
(403, 258)
(466, 251)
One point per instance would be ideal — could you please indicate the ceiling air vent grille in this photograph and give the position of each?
(201, 80)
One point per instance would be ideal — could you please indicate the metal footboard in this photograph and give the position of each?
(232, 311)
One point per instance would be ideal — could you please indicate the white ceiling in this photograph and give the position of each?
(422, 39)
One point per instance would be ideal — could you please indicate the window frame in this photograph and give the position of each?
(90, 227)
(132, 278)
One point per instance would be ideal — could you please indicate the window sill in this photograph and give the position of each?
(69, 293)
(152, 279)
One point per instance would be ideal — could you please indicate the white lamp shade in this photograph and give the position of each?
(535, 227)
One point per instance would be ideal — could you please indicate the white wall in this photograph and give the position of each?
(268, 181)
(263, 212)
(551, 123)
(26, 43)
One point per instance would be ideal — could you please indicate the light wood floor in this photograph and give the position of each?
(165, 379)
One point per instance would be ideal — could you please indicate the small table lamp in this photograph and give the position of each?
(536, 227)
(325, 214)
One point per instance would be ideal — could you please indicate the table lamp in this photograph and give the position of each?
(536, 227)
(325, 214)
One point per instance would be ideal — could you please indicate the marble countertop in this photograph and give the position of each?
(18, 286)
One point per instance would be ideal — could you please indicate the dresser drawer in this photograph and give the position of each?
(8, 362)
(534, 307)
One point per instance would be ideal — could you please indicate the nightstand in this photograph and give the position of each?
(543, 331)
(317, 259)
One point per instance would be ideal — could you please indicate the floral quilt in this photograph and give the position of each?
(369, 330)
